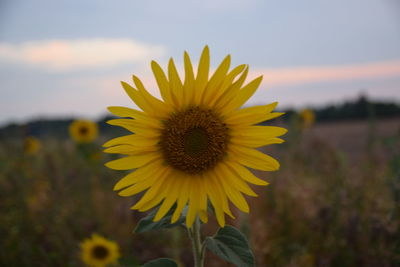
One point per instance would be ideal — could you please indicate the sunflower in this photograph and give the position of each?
(83, 131)
(31, 145)
(197, 144)
(98, 251)
(307, 117)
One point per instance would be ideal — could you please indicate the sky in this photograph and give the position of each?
(67, 58)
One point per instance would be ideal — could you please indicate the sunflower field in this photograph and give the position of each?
(334, 202)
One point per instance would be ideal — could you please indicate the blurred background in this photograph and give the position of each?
(334, 67)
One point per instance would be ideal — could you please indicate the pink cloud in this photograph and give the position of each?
(316, 74)
(65, 55)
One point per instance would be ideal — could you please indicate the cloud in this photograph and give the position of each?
(65, 55)
(318, 74)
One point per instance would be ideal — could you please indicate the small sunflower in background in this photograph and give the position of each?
(307, 117)
(197, 144)
(83, 131)
(98, 251)
(31, 145)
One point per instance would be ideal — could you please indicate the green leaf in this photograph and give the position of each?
(231, 245)
(161, 262)
(147, 224)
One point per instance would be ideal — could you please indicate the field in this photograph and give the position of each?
(334, 202)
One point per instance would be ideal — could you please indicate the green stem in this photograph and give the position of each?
(195, 236)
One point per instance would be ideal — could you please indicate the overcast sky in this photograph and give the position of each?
(66, 58)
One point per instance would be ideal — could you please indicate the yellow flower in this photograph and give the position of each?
(32, 145)
(83, 131)
(307, 117)
(98, 251)
(194, 146)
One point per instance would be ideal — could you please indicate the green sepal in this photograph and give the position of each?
(231, 245)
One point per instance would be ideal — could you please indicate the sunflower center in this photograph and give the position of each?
(194, 140)
(83, 130)
(100, 252)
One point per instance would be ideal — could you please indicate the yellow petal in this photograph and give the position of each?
(219, 189)
(253, 158)
(243, 95)
(160, 107)
(259, 131)
(255, 142)
(251, 115)
(234, 195)
(148, 170)
(183, 196)
(189, 79)
(165, 207)
(234, 180)
(176, 87)
(156, 192)
(139, 116)
(130, 150)
(151, 198)
(145, 183)
(230, 93)
(127, 112)
(202, 200)
(258, 116)
(203, 216)
(139, 187)
(273, 115)
(244, 113)
(162, 82)
(202, 74)
(216, 80)
(193, 205)
(256, 136)
(227, 83)
(132, 162)
(138, 99)
(133, 139)
(153, 202)
(245, 174)
(215, 198)
(136, 126)
(172, 193)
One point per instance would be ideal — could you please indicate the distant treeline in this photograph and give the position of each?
(58, 128)
(362, 108)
